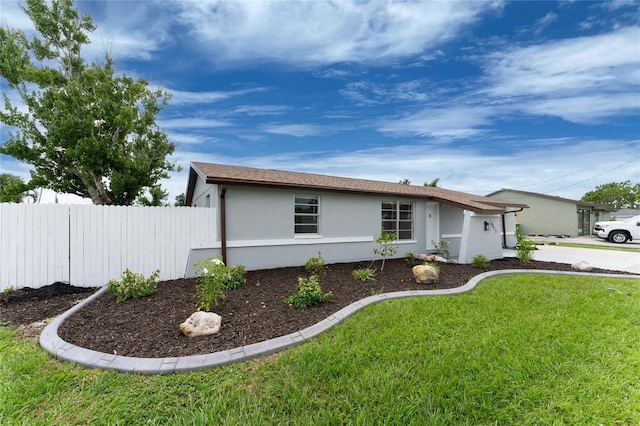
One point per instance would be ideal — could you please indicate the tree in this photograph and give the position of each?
(156, 197)
(14, 190)
(86, 131)
(619, 195)
(181, 200)
(433, 183)
(405, 182)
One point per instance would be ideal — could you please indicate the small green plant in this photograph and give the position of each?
(364, 274)
(385, 247)
(8, 290)
(525, 247)
(308, 293)
(315, 265)
(480, 261)
(433, 265)
(442, 248)
(133, 285)
(376, 291)
(213, 279)
(410, 258)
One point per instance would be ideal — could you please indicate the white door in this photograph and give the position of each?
(432, 224)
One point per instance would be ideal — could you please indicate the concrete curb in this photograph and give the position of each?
(52, 343)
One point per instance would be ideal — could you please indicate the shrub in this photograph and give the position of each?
(308, 293)
(133, 285)
(525, 248)
(480, 261)
(364, 274)
(385, 248)
(442, 248)
(315, 265)
(410, 258)
(213, 279)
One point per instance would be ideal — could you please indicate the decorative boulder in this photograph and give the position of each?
(425, 274)
(426, 257)
(581, 266)
(201, 324)
(441, 259)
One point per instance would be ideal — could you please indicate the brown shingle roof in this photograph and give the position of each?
(239, 175)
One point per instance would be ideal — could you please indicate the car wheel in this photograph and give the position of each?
(618, 237)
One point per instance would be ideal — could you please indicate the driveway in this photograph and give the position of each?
(617, 260)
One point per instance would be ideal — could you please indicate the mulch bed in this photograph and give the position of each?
(149, 327)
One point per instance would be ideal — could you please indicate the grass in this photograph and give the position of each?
(520, 349)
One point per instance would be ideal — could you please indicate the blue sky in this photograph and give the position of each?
(542, 96)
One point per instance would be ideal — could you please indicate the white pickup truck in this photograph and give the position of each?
(618, 231)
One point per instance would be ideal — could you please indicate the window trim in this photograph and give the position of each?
(296, 214)
(396, 219)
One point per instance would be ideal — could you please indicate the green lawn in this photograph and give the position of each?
(628, 247)
(519, 349)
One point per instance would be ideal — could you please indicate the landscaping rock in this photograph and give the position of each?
(425, 274)
(581, 266)
(201, 324)
(426, 257)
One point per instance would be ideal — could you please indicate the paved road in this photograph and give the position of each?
(616, 260)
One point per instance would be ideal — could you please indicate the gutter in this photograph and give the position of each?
(504, 226)
(223, 223)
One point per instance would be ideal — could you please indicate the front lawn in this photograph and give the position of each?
(519, 349)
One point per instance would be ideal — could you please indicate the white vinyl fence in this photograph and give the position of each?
(87, 245)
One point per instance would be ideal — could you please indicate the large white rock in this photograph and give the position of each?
(201, 324)
(581, 266)
(425, 274)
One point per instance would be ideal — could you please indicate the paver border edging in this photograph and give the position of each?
(52, 343)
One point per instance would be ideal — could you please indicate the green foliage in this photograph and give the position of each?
(364, 274)
(84, 130)
(410, 258)
(308, 293)
(442, 248)
(433, 183)
(525, 247)
(213, 279)
(480, 261)
(181, 200)
(315, 265)
(433, 265)
(133, 285)
(385, 247)
(405, 181)
(14, 190)
(619, 195)
(154, 196)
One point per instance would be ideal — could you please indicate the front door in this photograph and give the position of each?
(584, 222)
(432, 225)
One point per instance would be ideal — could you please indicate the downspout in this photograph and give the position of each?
(223, 223)
(504, 226)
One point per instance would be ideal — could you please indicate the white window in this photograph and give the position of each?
(397, 217)
(306, 214)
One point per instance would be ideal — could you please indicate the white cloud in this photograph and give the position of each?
(604, 62)
(179, 97)
(322, 32)
(586, 109)
(576, 166)
(192, 123)
(446, 123)
(297, 130)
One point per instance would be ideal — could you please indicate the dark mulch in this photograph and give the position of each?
(148, 327)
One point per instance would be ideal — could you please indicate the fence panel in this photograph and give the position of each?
(89, 245)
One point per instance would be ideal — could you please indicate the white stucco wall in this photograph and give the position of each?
(481, 235)
(260, 228)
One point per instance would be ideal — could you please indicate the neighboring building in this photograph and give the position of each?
(271, 218)
(549, 215)
(623, 214)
